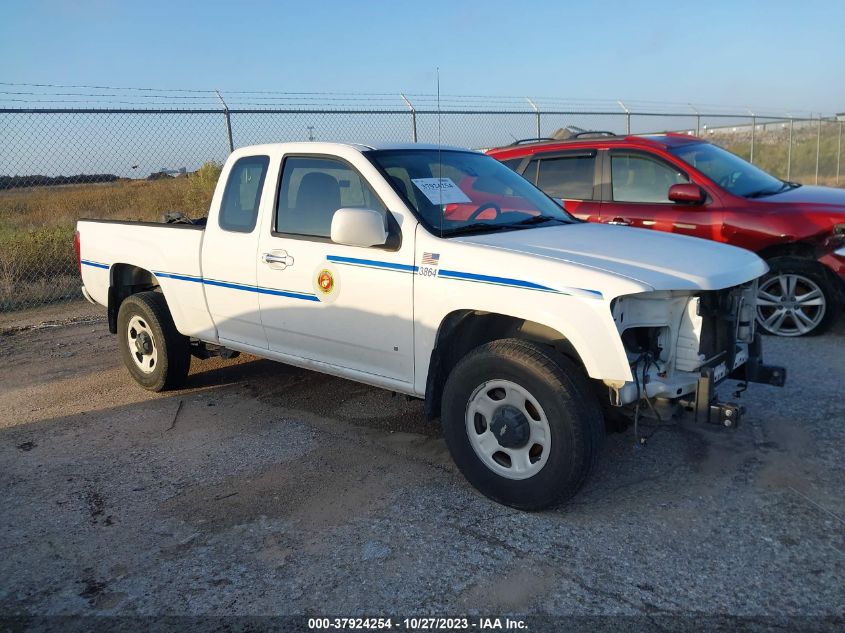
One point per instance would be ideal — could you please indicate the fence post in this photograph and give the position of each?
(789, 149)
(697, 119)
(413, 116)
(753, 135)
(818, 146)
(838, 151)
(228, 121)
(627, 117)
(537, 112)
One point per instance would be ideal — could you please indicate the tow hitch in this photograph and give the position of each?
(755, 371)
(707, 408)
(705, 405)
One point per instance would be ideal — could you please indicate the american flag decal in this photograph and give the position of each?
(430, 259)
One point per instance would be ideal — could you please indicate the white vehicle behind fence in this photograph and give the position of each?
(441, 274)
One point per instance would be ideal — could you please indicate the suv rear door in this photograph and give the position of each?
(571, 175)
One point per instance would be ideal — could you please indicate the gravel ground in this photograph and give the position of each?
(265, 489)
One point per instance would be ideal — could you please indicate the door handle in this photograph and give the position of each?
(620, 222)
(278, 259)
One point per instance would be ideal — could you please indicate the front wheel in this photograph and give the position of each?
(152, 349)
(521, 423)
(796, 298)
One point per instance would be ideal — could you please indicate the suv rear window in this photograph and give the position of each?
(568, 177)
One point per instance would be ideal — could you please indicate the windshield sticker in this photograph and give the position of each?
(440, 190)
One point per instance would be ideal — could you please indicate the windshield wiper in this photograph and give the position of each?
(487, 226)
(472, 228)
(762, 193)
(537, 219)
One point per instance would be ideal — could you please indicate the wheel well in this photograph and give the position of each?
(126, 280)
(810, 253)
(464, 330)
(793, 249)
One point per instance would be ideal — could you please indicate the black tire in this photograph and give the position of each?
(562, 391)
(172, 349)
(807, 273)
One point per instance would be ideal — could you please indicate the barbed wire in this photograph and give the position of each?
(105, 95)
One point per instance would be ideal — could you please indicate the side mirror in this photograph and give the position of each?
(687, 193)
(359, 227)
(560, 203)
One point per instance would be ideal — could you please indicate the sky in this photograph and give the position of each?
(776, 55)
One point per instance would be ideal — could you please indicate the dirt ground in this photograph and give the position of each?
(265, 489)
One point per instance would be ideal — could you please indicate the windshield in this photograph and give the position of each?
(454, 192)
(729, 171)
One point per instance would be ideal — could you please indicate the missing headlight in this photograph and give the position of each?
(639, 340)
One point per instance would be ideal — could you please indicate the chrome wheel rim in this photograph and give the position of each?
(142, 347)
(790, 305)
(508, 429)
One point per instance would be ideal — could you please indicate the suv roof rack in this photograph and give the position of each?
(593, 133)
(523, 141)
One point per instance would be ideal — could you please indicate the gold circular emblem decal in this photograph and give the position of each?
(325, 281)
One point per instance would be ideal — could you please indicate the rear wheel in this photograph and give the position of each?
(796, 298)
(152, 349)
(521, 423)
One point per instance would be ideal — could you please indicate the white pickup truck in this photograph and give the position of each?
(441, 274)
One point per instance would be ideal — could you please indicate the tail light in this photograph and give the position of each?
(78, 250)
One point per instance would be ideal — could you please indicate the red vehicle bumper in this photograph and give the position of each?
(835, 261)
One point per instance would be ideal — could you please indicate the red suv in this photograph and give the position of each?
(682, 184)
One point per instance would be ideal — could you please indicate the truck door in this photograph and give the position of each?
(228, 253)
(348, 306)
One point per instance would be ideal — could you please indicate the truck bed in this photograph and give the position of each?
(171, 251)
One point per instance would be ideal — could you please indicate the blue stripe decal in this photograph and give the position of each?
(245, 287)
(592, 292)
(177, 277)
(369, 263)
(372, 263)
(262, 291)
(500, 281)
(88, 262)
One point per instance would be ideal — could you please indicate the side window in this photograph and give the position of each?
(638, 178)
(530, 173)
(239, 209)
(569, 177)
(512, 163)
(312, 189)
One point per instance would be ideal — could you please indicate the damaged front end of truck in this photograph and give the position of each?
(682, 345)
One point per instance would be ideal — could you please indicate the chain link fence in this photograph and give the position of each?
(59, 164)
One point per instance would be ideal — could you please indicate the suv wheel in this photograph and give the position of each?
(796, 298)
(521, 423)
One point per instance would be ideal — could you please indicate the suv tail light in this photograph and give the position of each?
(78, 250)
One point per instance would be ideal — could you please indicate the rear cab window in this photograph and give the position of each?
(242, 196)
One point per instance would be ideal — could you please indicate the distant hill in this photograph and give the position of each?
(16, 182)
